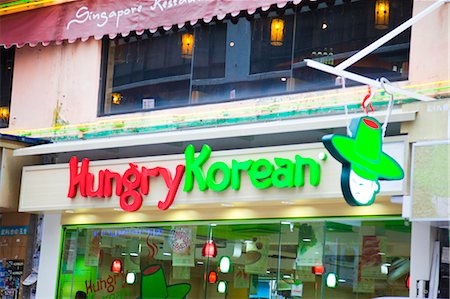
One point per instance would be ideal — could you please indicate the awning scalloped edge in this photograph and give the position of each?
(141, 31)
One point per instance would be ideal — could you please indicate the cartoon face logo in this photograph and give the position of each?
(363, 161)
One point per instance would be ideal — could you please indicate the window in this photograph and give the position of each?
(6, 71)
(288, 259)
(251, 56)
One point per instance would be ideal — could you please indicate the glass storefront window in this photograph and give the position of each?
(6, 72)
(274, 260)
(250, 56)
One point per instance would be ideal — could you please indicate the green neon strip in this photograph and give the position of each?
(19, 2)
(66, 136)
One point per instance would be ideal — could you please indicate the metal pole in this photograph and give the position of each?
(384, 39)
(364, 80)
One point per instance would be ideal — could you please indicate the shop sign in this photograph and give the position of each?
(363, 161)
(204, 177)
(13, 230)
(135, 182)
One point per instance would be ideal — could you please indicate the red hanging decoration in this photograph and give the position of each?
(209, 249)
(367, 101)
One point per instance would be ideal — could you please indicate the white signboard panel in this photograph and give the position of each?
(46, 187)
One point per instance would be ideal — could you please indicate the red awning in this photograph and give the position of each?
(96, 18)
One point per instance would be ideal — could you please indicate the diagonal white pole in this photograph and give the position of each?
(375, 45)
(364, 80)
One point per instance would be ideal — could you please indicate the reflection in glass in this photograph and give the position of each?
(253, 56)
(276, 260)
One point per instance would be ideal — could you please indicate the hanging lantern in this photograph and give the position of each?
(187, 44)
(209, 249)
(382, 14)
(116, 266)
(116, 98)
(224, 264)
(317, 270)
(4, 113)
(212, 277)
(277, 32)
(222, 287)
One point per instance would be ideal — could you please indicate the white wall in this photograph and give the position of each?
(48, 261)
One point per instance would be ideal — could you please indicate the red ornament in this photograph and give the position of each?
(116, 266)
(212, 277)
(408, 281)
(209, 249)
(317, 270)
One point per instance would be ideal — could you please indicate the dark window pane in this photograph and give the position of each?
(271, 45)
(147, 72)
(253, 56)
(6, 72)
(332, 34)
(157, 95)
(210, 48)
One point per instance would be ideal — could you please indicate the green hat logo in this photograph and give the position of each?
(363, 161)
(153, 285)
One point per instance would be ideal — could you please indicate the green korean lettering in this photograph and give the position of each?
(211, 176)
(300, 170)
(283, 177)
(236, 168)
(194, 169)
(260, 174)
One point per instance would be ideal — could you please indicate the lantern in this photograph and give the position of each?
(209, 249)
(224, 264)
(212, 277)
(4, 113)
(317, 270)
(382, 14)
(187, 44)
(116, 266)
(116, 98)
(277, 32)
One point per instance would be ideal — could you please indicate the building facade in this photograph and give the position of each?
(186, 135)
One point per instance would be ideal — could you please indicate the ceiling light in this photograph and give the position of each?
(222, 287)
(224, 264)
(331, 280)
(209, 249)
(212, 277)
(116, 266)
(131, 278)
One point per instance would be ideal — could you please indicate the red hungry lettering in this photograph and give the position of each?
(77, 179)
(172, 185)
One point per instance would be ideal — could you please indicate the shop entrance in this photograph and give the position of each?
(339, 258)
